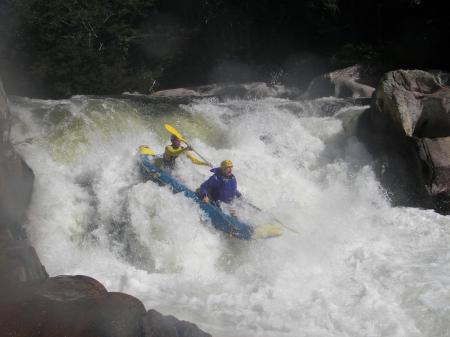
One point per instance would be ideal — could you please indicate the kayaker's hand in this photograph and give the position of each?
(206, 199)
(189, 148)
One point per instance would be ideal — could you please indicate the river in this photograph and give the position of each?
(357, 266)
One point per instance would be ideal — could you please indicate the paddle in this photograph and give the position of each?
(274, 218)
(144, 149)
(174, 132)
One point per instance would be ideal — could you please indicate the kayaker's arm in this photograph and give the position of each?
(195, 160)
(171, 152)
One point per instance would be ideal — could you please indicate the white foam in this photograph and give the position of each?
(358, 268)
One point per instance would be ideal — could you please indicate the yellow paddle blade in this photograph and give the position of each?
(144, 149)
(266, 231)
(174, 132)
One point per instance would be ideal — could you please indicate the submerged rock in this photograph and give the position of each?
(342, 83)
(250, 90)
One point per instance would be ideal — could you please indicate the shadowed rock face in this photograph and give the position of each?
(416, 102)
(4, 115)
(18, 261)
(16, 187)
(408, 129)
(16, 178)
(72, 306)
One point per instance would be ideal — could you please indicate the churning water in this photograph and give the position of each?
(358, 267)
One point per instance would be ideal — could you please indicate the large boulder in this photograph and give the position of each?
(71, 306)
(158, 325)
(407, 129)
(342, 83)
(416, 102)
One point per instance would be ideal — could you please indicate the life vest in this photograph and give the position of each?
(220, 188)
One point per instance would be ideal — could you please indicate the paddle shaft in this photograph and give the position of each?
(276, 220)
(198, 154)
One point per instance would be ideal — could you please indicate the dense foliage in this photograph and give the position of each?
(61, 48)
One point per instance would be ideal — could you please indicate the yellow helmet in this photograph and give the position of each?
(226, 163)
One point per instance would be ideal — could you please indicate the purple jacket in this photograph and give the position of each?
(220, 188)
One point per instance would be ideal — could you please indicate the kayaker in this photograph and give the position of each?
(172, 151)
(220, 187)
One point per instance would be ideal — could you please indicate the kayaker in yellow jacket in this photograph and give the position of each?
(172, 151)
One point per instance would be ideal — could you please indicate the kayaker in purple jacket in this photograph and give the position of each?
(220, 187)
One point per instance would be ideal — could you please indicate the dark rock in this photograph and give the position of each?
(341, 83)
(397, 163)
(4, 115)
(158, 325)
(435, 153)
(72, 306)
(70, 288)
(16, 178)
(407, 130)
(16, 186)
(416, 102)
(18, 261)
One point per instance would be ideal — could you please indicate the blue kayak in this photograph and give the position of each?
(220, 220)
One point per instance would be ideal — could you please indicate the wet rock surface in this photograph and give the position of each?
(250, 90)
(407, 129)
(69, 306)
(416, 102)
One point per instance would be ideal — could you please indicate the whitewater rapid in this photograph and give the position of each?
(358, 267)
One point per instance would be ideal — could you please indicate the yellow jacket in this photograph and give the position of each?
(170, 154)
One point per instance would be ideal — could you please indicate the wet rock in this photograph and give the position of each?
(16, 187)
(342, 83)
(435, 155)
(176, 92)
(407, 130)
(16, 178)
(222, 91)
(158, 325)
(416, 102)
(4, 115)
(18, 261)
(72, 306)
